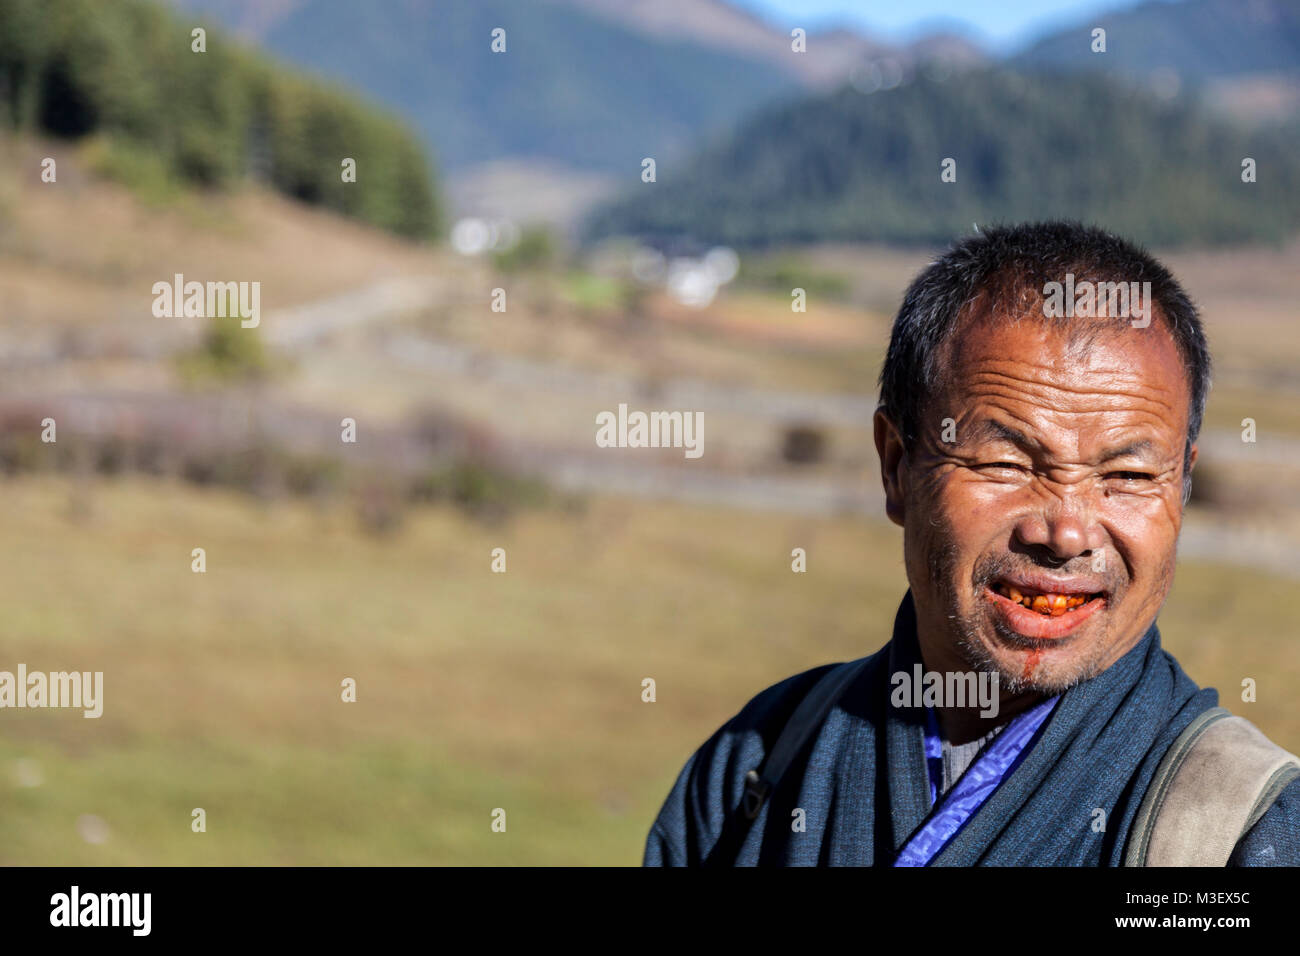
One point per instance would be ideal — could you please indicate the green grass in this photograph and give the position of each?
(140, 169)
(782, 272)
(586, 290)
(475, 690)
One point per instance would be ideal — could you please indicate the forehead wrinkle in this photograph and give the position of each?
(1011, 386)
(1059, 394)
(1146, 425)
(1048, 372)
(1065, 351)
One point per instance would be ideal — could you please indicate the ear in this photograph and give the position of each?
(893, 465)
(1187, 474)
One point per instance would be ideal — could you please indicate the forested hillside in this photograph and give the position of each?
(1197, 39)
(850, 166)
(126, 72)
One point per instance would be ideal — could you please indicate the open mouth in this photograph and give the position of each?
(1043, 607)
(1046, 603)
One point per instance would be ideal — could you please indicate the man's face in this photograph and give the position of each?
(1058, 485)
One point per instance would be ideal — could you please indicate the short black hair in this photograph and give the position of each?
(1012, 264)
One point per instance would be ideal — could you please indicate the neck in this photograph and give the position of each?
(963, 724)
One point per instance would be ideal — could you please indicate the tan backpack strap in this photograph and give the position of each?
(1219, 777)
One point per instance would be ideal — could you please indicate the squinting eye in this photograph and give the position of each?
(1130, 475)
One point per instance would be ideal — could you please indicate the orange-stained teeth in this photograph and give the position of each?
(1051, 604)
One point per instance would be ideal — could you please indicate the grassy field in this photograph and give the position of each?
(475, 690)
(478, 690)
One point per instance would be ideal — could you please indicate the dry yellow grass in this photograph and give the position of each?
(475, 690)
(83, 250)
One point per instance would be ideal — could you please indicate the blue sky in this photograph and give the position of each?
(1000, 24)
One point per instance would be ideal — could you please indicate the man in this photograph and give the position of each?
(1037, 433)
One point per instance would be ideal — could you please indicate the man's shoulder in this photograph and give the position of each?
(1214, 779)
(1275, 839)
(709, 786)
(768, 712)
(741, 743)
(770, 709)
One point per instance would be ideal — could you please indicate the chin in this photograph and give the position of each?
(1024, 663)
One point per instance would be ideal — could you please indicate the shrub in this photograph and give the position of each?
(229, 353)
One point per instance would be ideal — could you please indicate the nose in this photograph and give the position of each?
(1063, 529)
